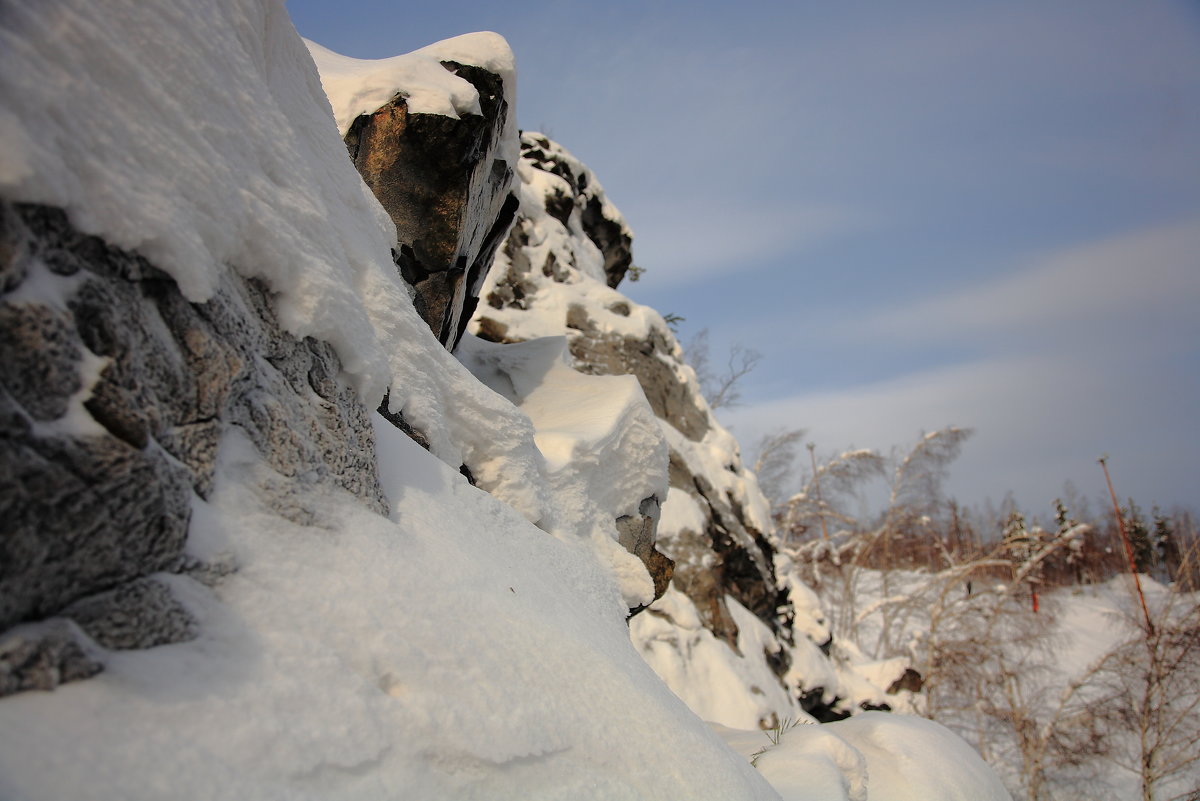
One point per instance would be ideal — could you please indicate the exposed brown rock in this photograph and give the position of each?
(636, 533)
(603, 353)
(443, 184)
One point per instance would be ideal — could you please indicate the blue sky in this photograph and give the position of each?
(921, 214)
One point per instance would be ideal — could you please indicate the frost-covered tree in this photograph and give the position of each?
(1021, 544)
(903, 535)
(832, 495)
(1064, 523)
(775, 463)
(1015, 537)
(1150, 696)
(721, 387)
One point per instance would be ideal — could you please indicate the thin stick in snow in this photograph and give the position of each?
(1137, 582)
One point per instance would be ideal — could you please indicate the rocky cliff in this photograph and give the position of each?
(729, 637)
(275, 590)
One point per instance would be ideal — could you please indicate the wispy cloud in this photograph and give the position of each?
(1133, 284)
(1039, 422)
(1094, 348)
(686, 241)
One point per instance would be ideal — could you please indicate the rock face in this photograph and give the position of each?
(597, 218)
(116, 390)
(113, 395)
(555, 275)
(445, 187)
(735, 634)
(637, 534)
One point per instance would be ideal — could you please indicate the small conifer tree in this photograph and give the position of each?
(1165, 544)
(1139, 538)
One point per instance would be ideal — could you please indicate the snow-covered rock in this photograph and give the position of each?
(435, 140)
(606, 457)
(273, 591)
(727, 637)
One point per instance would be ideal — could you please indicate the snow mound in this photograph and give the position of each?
(874, 756)
(604, 451)
(451, 651)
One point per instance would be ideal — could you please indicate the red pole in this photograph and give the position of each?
(1137, 582)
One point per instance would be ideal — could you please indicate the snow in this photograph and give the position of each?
(472, 644)
(451, 651)
(715, 682)
(874, 756)
(681, 511)
(603, 447)
(360, 86)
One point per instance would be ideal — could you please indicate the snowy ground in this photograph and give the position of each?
(453, 651)
(891, 614)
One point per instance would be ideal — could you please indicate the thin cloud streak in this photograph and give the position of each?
(1142, 277)
(1090, 349)
(686, 242)
(1039, 421)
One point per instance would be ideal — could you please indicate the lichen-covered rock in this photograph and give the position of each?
(43, 656)
(114, 393)
(139, 614)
